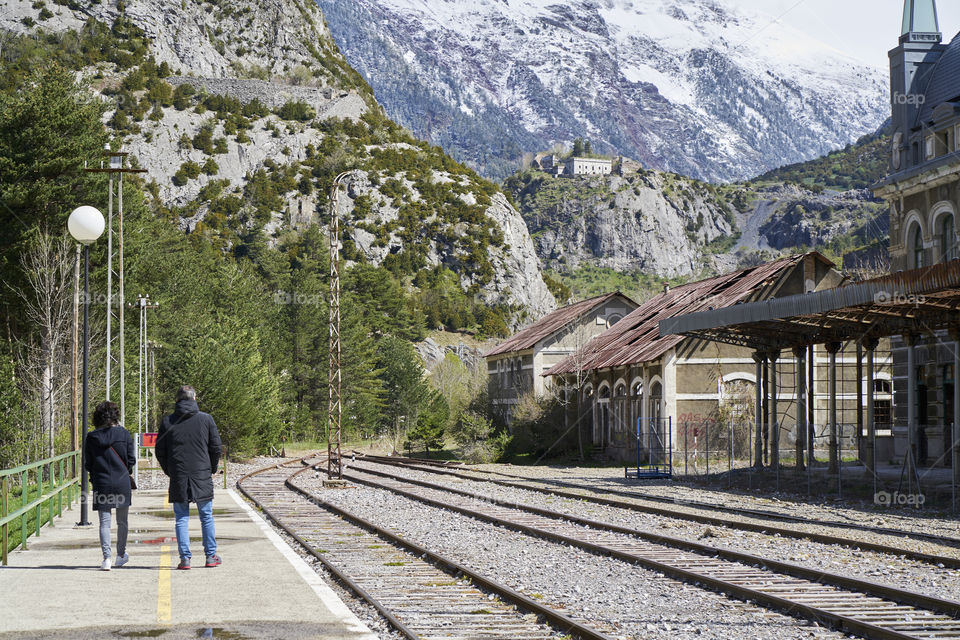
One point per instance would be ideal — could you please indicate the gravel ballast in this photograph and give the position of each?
(638, 602)
(876, 567)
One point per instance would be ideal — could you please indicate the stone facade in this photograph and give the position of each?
(515, 373)
(577, 166)
(922, 191)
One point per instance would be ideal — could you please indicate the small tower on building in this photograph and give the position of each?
(910, 66)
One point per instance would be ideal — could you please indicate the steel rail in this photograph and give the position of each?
(919, 556)
(556, 619)
(344, 579)
(839, 621)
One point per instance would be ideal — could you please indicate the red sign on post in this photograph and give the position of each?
(148, 440)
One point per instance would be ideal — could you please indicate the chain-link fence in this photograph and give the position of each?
(728, 451)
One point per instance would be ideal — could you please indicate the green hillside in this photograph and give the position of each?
(856, 166)
(244, 320)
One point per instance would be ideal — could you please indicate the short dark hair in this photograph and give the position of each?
(186, 392)
(106, 414)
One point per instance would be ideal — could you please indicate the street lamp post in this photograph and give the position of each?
(86, 224)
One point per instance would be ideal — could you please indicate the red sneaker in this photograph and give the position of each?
(213, 561)
(184, 564)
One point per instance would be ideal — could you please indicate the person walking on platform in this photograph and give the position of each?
(188, 450)
(109, 456)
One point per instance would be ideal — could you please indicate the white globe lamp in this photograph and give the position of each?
(86, 224)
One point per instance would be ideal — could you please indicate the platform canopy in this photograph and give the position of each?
(916, 302)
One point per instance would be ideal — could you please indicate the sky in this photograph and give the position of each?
(863, 29)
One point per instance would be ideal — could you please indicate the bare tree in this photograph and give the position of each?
(869, 267)
(47, 301)
(577, 378)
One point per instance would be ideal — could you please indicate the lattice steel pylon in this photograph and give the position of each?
(115, 168)
(334, 379)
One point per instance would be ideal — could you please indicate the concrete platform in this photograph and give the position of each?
(263, 589)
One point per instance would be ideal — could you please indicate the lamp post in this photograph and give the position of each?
(86, 224)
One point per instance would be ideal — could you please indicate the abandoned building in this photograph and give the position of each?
(635, 384)
(917, 305)
(515, 366)
(573, 166)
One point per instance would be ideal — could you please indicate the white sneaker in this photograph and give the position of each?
(121, 560)
(106, 565)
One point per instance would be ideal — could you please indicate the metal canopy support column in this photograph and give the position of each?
(759, 359)
(811, 404)
(860, 401)
(774, 414)
(832, 349)
(870, 456)
(800, 355)
(956, 407)
(911, 402)
(766, 411)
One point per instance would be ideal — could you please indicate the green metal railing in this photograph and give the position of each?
(29, 488)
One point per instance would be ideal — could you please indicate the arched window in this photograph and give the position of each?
(620, 407)
(916, 247)
(636, 404)
(656, 408)
(601, 424)
(948, 240)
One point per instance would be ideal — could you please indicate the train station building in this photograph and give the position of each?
(918, 305)
(639, 389)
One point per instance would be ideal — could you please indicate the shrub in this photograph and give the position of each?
(297, 110)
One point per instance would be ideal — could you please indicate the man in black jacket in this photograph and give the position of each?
(188, 449)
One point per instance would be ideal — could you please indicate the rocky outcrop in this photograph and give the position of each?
(651, 222)
(669, 226)
(263, 37)
(517, 276)
(800, 218)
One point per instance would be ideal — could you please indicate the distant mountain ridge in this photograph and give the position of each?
(689, 86)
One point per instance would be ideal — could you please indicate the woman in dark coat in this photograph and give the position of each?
(110, 457)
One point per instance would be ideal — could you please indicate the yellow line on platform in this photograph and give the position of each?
(164, 612)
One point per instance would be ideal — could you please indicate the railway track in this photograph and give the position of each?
(421, 594)
(850, 605)
(758, 527)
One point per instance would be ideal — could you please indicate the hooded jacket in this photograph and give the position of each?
(188, 450)
(106, 452)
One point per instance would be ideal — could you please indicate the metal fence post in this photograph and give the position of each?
(706, 442)
(39, 519)
(3, 514)
(23, 518)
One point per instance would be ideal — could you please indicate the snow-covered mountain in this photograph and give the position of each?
(698, 87)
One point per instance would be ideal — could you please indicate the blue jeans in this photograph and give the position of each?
(182, 512)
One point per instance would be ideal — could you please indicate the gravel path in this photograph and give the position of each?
(848, 512)
(638, 602)
(884, 568)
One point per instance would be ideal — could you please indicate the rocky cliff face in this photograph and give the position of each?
(692, 86)
(670, 226)
(233, 171)
(382, 232)
(652, 222)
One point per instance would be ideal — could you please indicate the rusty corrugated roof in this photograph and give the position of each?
(637, 338)
(551, 323)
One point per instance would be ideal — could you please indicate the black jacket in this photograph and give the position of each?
(107, 451)
(188, 449)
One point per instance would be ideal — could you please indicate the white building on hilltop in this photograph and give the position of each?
(576, 166)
